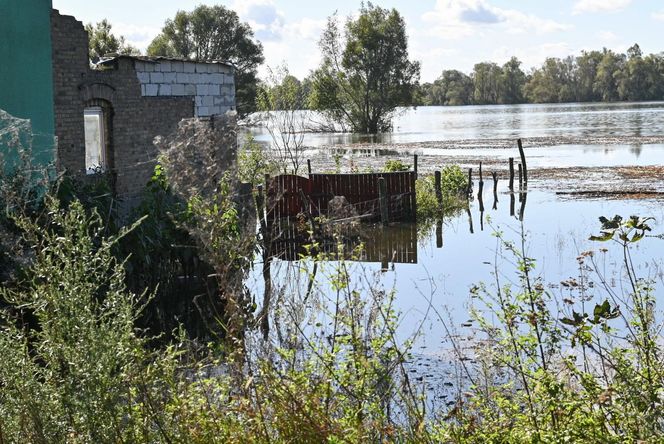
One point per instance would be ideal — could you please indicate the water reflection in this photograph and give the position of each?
(374, 243)
(440, 123)
(449, 256)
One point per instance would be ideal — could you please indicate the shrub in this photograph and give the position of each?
(453, 187)
(395, 166)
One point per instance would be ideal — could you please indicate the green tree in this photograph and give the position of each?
(586, 69)
(103, 42)
(633, 81)
(214, 33)
(554, 82)
(608, 75)
(451, 88)
(513, 80)
(364, 78)
(487, 79)
(655, 76)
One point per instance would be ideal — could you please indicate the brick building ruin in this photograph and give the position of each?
(107, 117)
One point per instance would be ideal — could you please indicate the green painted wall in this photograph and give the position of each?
(26, 70)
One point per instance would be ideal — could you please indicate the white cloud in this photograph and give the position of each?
(306, 28)
(138, 36)
(263, 16)
(297, 46)
(455, 19)
(607, 36)
(658, 15)
(582, 6)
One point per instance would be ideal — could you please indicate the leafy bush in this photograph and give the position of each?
(574, 376)
(253, 163)
(67, 379)
(395, 166)
(453, 187)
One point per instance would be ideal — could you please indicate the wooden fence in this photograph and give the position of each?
(289, 195)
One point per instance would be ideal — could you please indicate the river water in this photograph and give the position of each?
(443, 123)
(442, 270)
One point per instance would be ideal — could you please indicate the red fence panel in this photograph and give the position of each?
(360, 190)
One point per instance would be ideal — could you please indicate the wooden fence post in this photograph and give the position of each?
(470, 182)
(511, 204)
(480, 189)
(495, 190)
(523, 162)
(415, 163)
(382, 196)
(309, 166)
(439, 233)
(511, 173)
(438, 188)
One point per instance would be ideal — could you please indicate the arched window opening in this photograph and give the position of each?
(96, 141)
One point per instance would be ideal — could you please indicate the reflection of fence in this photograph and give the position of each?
(285, 195)
(392, 244)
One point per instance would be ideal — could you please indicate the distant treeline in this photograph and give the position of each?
(594, 76)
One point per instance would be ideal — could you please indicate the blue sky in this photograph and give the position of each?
(443, 34)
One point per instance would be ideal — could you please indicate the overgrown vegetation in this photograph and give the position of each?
(76, 367)
(454, 185)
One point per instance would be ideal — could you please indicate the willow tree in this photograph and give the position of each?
(365, 75)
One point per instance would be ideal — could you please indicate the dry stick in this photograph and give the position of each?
(260, 208)
(523, 162)
(511, 173)
(309, 166)
(495, 190)
(267, 296)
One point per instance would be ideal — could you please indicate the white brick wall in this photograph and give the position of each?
(211, 84)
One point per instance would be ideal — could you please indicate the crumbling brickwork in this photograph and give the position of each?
(211, 84)
(135, 115)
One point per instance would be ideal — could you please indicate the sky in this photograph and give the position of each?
(443, 34)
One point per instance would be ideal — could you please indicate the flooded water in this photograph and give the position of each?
(433, 269)
(439, 273)
(443, 123)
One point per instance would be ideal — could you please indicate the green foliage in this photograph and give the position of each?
(581, 377)
(103, 42)
(366, 75)
(451, 88)
(214, 33)
(487, 78)
(395, 166)
(253, 163)
(68, 378)
(591, 76)
(453, 187)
